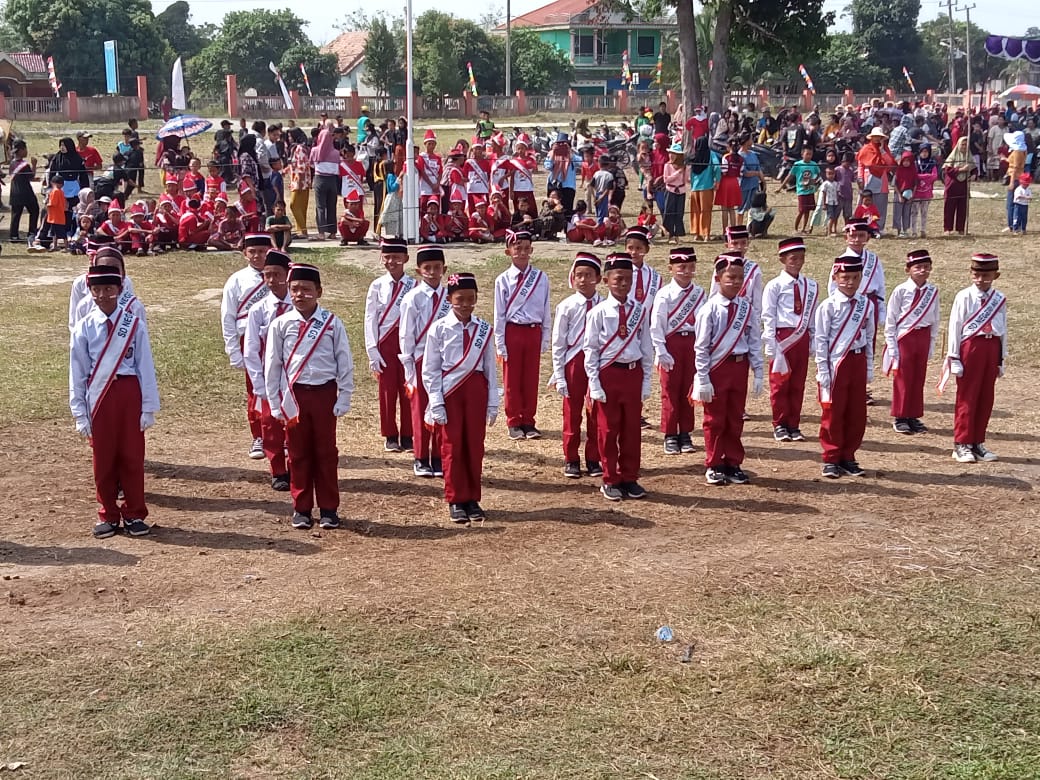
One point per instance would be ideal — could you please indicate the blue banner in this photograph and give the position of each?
(111, 68)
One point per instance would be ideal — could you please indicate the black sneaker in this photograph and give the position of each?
(302, 522)
(407, 444)
(137, 527)
(392, 444)
(644, 423)
(715, 477)
(362, 242)
(280, 482)
(572, 469)
(917, 426)
(611, 492)
(594, 468)
(686, 443)
(422, 469)
(780, 433)
(851, 468)
(796, 434)
(329, 520)
(831, 471)
(104, 530)
(736, 475)
(437, 466)
(475, 512)
(671, 445)
(902, 425)
(516, 434)
(458, 514)
(981, 453)
(633, 490)
(530, 432)
(870, 399)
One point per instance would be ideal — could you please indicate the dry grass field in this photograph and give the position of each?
(886, 627)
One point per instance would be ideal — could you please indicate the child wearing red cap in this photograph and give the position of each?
(118, 228)
(430, 222)
(1021, 197)
(977, 337)
(429, 166)
(309, 380)
(478, 179)
(568, 364)
(454, 224)
(382, 342)
(458, 372)
(911, 326)
(523, 325)
(788, 327)
(844, 352)
(353, 227)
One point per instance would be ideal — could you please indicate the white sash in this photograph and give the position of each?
(252, 297)
(525, 183)
(112, 353)
(840, 345)
(615, 345)
(523, 291)
(432, 169)
(386, 325)
(686, 310)
(752, 273)
(477, 179)
(870, 268)
(577, 347)
(780, 365)
(352, 183)
(436, 312)
(909, 322)
(306, 343)
(726, 343)
(973, 327)
(471, 360)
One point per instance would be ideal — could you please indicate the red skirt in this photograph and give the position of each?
(728, 194)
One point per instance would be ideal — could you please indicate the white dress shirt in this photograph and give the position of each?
(87, 342)
(965, 304)
(873, 287)
(532, 310)
(651, 281)
(232, 311)
(568, 333)
(753, 288)
(383, 293)
(712, 321)
(830, 315)
(330, 360)
(80, 301)
(601, 327)
(257, 323)
(778, 307)
(416, 310)
(665, 302)
(444, 348)
(901, 303)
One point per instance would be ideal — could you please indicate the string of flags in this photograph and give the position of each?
(626, 70)
(53, 78)
(306, 81)
(472, 79)
(808, 80)
(910, 81)
(660, 64)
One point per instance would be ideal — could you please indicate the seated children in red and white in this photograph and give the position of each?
(192, 230)
(454, 225)
(249, 209)
(227, 237)
(611, 229)
(581, 228)
(166, 225)
(353, 227)
(479, 229)
(116, 227)
(498, 216)
(352, 177)
(142, 230)
(172, 194)
(430, 222)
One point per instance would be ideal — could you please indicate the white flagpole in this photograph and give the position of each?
(411, 190)
(177, 98)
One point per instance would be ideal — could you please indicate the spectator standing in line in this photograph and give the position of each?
(662, 119)
(91, 157)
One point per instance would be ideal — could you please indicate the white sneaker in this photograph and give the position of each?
(962, 453)
(256, 452)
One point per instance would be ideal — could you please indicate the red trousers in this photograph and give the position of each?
(349, 232)
(844, 419)
(980, 357)
(253, 416)
(425, 443)
(574, 408)
(724, 414)
(908, 379)
(195, 237)
(676, 411)
(118, 443)
(462, 444)
(618, 428)
(392, 396)
(786, 392)
(583, 233)
(313, 457)
(520, 373)
(273, 432)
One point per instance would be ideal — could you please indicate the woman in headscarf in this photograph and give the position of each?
(956, 172)
(658, 158)
(300, 180)
(927, 173)
(69, 166)
(705, 172)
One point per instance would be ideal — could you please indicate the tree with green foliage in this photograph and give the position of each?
(384, 68)
(247, 41)
(322, 69)
(888, 32)
(434, 64)
(74, 32)
(539, 68)
(845, 64)
(185, 38)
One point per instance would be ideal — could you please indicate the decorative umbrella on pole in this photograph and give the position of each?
(1027, 91)
(184, 126)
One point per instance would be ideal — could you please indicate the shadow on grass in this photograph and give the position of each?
(573, 516)
(199, 504)
(837, 487)
(420, 533)
(732, 498)
(49, 555)
(228, 540)
(995, 481)
(258, 475)
(409, 486)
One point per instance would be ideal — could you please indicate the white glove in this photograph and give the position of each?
(147, 420)
(665, 361)
(276, 413)
(239, 363)
(376, 363)
(756, 387)
(823, 377)
(598, 394)
(770, 351)
(703, 392)
(409, 373)
(503, 354)
(492, 415)
(1000, 371)
(561, 388)
(893, 355)
(439, 415)
(645, 394)
(956, 367)
(870, 374)
(83, 427)
(342, 406)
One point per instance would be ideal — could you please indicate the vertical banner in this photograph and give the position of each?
(111, 68)
(626, 71)
(805, 76)
(306, 81)
(177, 99)
(910, 81)
(52, 77)
(285, 90)
(472, 79)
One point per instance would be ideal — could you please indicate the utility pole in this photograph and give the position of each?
(967, 49)
(951, 76)
(509, 73)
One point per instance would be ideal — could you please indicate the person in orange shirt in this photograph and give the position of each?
(875, 163)
(57, 207)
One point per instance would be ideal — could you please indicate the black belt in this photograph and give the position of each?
(302, 386)
(125, 376)
(737, 358)
(524, 324)
(627, 366)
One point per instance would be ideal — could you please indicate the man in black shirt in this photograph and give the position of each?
(662, 119)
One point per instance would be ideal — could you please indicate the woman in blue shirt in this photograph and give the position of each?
(705, 172)
(751, 176)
